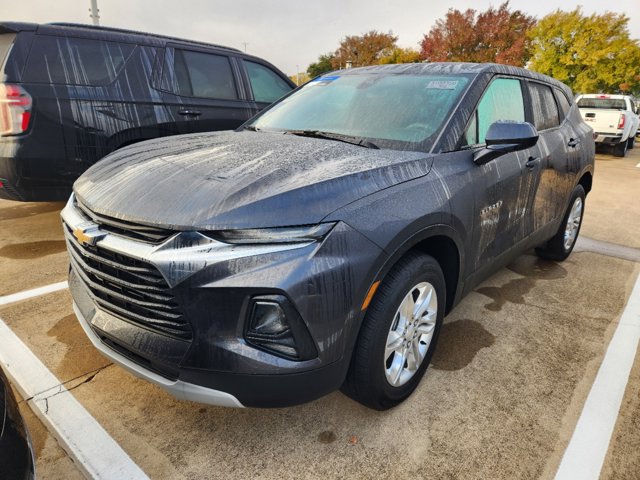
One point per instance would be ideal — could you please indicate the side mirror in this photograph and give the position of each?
(505, 137)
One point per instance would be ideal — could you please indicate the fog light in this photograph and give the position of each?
(268, 318)
(270, 330)
(275, 325)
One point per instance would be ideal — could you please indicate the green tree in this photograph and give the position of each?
(323, 65)
(496, 35)
(589, 53)
(401, 55)
(299, 78)
(362, 50)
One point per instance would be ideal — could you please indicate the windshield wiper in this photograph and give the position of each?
(360, 141)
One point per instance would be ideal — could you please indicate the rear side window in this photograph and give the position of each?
(501, 101)
(6, 40)
(564, 104)
(545, 110)
(267, 86)
(204, 75)
(75, 61)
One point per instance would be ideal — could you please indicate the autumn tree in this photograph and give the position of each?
(589, 53)
(323, 65)
(401, 55)
(361, 50)
(496, 35)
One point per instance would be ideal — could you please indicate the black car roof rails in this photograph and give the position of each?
(136, 32)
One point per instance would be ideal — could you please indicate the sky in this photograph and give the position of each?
(291, 34)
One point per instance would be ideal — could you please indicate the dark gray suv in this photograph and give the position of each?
(320, 245)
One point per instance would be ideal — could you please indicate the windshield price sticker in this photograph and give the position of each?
(323, 80)
(442, 84)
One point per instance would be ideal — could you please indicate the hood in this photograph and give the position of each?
(227, 180)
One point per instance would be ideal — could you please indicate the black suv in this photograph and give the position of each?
(70, 94)
(321, 244)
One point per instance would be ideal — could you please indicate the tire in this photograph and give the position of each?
(620, 150)
(562, 243)
(373, 366)
(631, 142)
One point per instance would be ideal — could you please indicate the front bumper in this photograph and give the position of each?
(179, 389)
(213, 283)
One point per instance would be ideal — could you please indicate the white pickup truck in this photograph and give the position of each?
(613, 118)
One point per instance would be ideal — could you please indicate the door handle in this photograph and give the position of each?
(186, 111)
(532, 162)
(573, 143)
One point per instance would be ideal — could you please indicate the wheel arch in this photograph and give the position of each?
(586, 180)
(442, 243)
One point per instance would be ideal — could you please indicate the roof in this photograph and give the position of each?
(96, 29)
(457, 68)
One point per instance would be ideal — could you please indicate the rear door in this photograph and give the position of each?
(551, 170)
(203, 89)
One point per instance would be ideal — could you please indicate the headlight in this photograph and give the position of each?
(307, 233)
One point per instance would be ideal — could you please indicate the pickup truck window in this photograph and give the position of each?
(604, 103)
(545, 110)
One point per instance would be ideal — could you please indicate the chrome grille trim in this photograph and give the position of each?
(126, 229)
(128, 288)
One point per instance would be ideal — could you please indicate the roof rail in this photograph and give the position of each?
(136, 32)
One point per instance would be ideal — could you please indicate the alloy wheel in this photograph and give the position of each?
(410, 334)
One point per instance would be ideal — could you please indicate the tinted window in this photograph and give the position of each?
(501, 101)
(204, 75)
(6, 40)
(267, 86)
(75, 61)
(545, 110)
(606, 103)
(564, 104)
(394, 111)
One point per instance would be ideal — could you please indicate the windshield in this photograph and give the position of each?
(607, 103)
(403, 112)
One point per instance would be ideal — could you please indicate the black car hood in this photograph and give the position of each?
(226, 180)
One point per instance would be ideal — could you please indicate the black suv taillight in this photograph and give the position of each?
(275, 325)
(15, 109)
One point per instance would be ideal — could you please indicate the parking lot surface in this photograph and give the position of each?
(514, 365)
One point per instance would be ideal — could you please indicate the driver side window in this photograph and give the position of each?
(501, 101)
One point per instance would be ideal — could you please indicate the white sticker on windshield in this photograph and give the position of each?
(443, 84)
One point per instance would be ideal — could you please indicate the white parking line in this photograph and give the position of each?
(93, 450)
(36, 292)
(589, 444)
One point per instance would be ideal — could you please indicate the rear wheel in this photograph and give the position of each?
(620, 150)
(631, 142)
(562, 243)
(399, 333)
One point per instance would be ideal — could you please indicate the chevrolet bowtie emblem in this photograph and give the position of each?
(88, 234)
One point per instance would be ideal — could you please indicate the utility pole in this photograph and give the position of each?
(245, 46)
(94, 12)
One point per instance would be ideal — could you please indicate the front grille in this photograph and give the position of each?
(128, 288)
(123, 228)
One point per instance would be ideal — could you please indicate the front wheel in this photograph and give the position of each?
(562, 243)
(399, 333)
